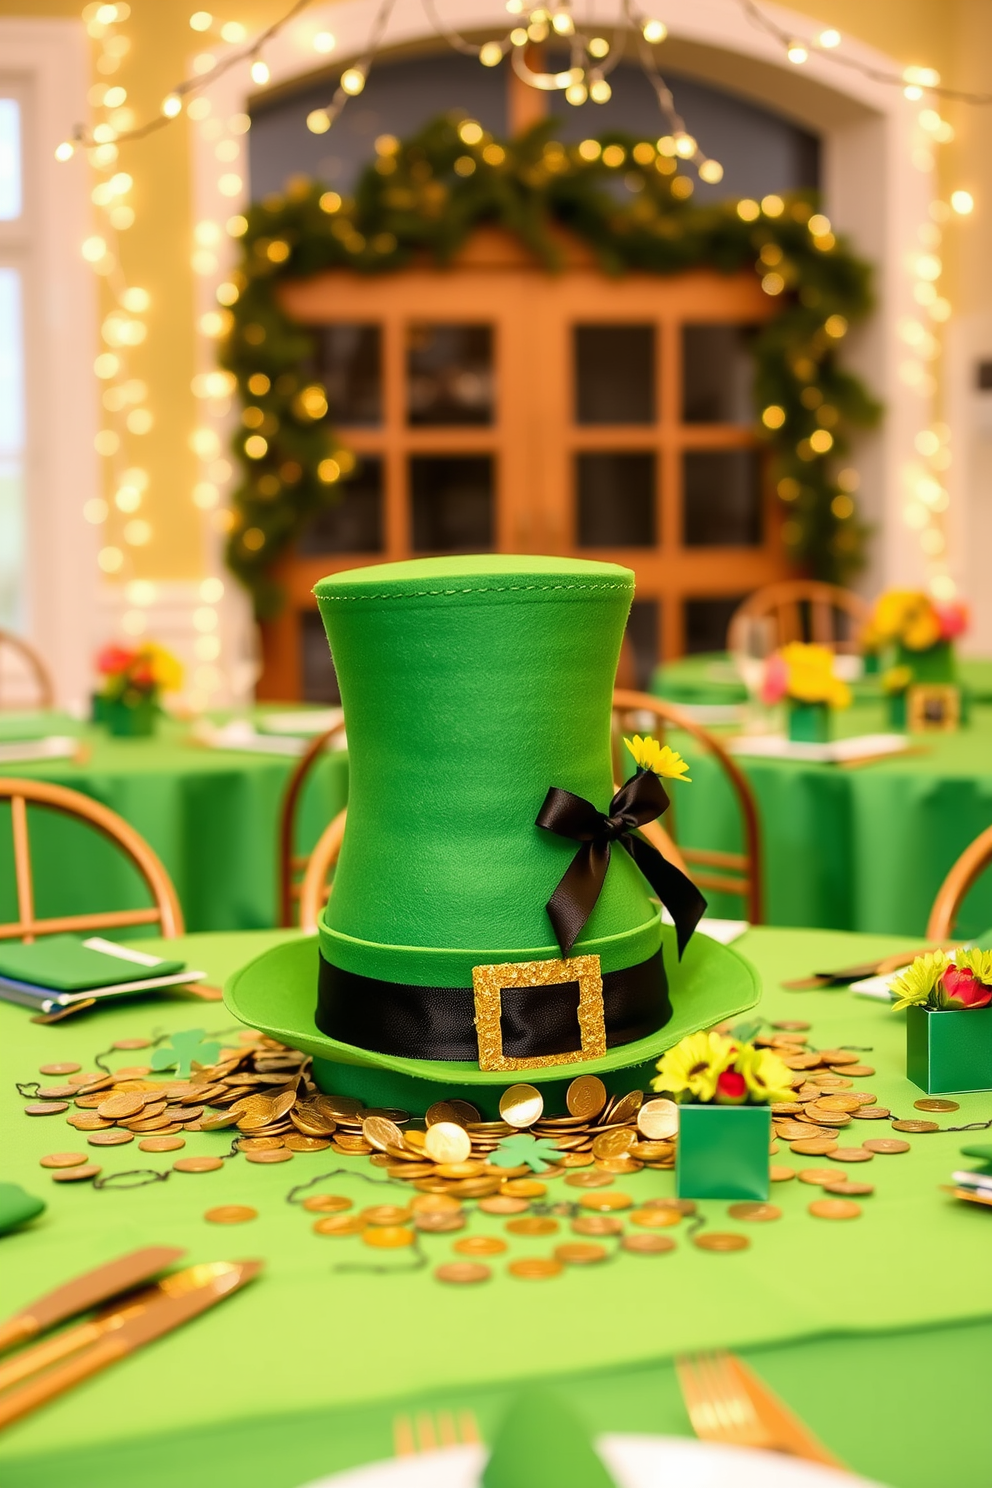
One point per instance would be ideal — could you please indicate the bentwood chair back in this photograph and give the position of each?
(803, 610)
(25, 681)
(722, 872)
(314, 890)
(164, 912)
(291, 863)
(976, 857)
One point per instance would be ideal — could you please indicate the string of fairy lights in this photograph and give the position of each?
(536, 34)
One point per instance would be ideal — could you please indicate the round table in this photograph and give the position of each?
(210, 814)
(711, 678)
(876, 1332)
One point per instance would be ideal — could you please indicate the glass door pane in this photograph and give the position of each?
(449, 370)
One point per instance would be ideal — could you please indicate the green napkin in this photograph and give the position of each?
(65, 964)
(541, 1444)
(17, 1206)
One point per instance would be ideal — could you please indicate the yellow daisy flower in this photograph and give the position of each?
(694, 1065)
(659, 758)
(811, 675)
(914, 985)
(767, 1076)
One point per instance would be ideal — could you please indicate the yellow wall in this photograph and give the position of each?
(954, 36)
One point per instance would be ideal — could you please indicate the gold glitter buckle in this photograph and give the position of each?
(489, 983)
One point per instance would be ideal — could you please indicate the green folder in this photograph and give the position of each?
(65, 964)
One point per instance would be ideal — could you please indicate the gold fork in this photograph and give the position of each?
(425, 1432)
(729, 1404)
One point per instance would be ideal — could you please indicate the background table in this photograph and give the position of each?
(211, 815)
(877, 1331)
(712, 678)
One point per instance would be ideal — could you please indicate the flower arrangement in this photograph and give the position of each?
(803, 673)
(911, 619)
(935, 982)
(710, 1068)
(135, 676)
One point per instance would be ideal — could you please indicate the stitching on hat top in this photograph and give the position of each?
(491, 589)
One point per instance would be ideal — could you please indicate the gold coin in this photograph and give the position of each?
(653, 1151)
(503, 1203)
(76, 1175)
(646, 1243)
(521, 1106)
(339, 1224)
(270, 1155)
(792, 1131)
(161, 1144)
(436, 1223)
(655, 1218)
(597, 1224)
(532, 1224)
(63, 1160)
(462, 1273)
(595, 1178)
(603, 1203)
(871, 1113)
(886, 1144)
(231, 1214)
(851, 1155)
(814, 1146)
(936, 1105)
(847, 1188)
(835, 1209)
(838, 1056)
(386, 1214)
(480, 1245)
(109, 1138)
(524, 1188)
(436, 1203)
(46, 1108)
(779, 1173)
(447, 1142)
(474, 1188)
(859, 1070)
(626, 1164)
(615, 1142)
(684, 1207)
(575, 1160)
(116, 1106)
(658, 1119)
(297, 1142)
(56, 1092)
(443, 1111)
(720, 1240)
(626, 1108)
(915, 1126)
(838, 1102)
(816, 1175)
(59, 1069)
(471, 1168)
(792, 1025)
(535, 1268)
(389, 1237)
(585, 1097)
(754, 1212)
(381, 1133)
(197, 1164)
(580, 1253)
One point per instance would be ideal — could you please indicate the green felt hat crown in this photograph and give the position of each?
(470, 686)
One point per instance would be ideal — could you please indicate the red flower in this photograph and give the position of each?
(962, 989)
(776, 680)
(953, 619)
(731, 1089)
(113, 659)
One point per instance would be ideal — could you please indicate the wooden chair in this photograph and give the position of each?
(315, 891)
(27, 661)
(738, 873)
(291, 863)
(165, 911)
(803, 610)
(950, 896)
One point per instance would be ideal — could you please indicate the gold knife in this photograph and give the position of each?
(86, 1291)
(151, 1322)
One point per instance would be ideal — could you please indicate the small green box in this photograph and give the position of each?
(809, 723)
(722, 1152)
(950, 1050)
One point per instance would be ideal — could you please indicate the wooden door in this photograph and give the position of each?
(494, 406)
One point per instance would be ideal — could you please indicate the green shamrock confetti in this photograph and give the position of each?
(537, 1152)
(183, 1050)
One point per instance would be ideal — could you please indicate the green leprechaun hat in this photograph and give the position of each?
(479, 921)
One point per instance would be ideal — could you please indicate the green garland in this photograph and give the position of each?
(424, 197)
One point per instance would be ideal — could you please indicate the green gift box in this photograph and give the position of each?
(722, 1152)
(950, 1049)
(809, 723)
(130, 720)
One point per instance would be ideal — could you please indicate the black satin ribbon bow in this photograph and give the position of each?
(641, 799)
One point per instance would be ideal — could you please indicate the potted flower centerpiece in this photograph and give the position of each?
(948, 1007)
(128, 700)
(724, 1087)
(916, 634)
(803, 676)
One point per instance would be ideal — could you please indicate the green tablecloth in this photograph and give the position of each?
(211, 815)
(711, 678)
(877, 1331)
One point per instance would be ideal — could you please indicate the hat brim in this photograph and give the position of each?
(277, 993)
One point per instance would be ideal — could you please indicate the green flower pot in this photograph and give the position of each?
(935, 664)
(895, 707)
(98, 707)
(809, 723)
(950, 1050)
(130, 720)
(873, 663)
(722, 1152)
